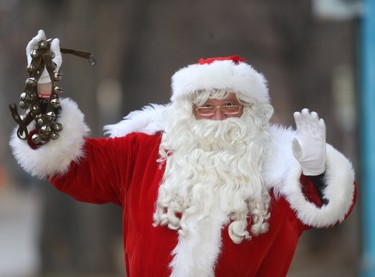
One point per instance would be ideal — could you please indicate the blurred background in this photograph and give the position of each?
(309, 50)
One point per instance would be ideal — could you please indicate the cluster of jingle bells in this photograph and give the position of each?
(42, 110)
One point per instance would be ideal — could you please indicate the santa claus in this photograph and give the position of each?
(207, 186)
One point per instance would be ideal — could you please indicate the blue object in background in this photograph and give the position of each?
(367, 142)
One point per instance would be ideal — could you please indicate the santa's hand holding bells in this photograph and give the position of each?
(207, 186)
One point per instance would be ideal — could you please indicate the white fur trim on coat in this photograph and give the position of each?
(197, 251)
(149, 120)
(55, 156)
(283, 174)
(238, 77)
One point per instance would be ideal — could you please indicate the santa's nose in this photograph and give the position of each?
(218, 115)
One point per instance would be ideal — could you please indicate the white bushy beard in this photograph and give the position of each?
(214, 165)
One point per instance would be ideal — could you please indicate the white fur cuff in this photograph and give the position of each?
(54, 157)
(339, 178)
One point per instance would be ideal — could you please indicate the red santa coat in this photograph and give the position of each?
(125, 171)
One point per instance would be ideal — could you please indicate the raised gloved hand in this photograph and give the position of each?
(309, 145)
(55, 48)
(40, 101)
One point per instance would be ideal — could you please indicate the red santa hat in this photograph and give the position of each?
(228, 73)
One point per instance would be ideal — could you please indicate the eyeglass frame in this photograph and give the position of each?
(222, 109)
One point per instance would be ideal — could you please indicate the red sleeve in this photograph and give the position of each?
(354, 200)
(310, 192)
(103, 174)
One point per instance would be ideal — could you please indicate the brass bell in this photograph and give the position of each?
(43, 44)
(50, 116)
(31, 81)
(40, 122)
(58, 90)
(57, 127)
(34, 53)
(25, 96)
(57, 76)
(54, 136)
(45, 130)
(45, 137)
(30, 68)
(36, 138)
(55, 103)
(34, 110)
(32, 95)
(24, 105)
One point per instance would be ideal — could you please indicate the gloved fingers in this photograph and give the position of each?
(302, 120)
(55, 48)
(315, 125)
(322, 128)
(311, 121)
(41, 35)
(33, 42)
(309, 144)
(314, 119)
(307, 121)
(298, 120)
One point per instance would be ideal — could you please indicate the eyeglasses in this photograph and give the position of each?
(226, 109)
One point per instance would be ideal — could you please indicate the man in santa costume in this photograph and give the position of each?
(207, 186)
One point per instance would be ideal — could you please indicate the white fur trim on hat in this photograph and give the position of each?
(238, 77)
(55, 156)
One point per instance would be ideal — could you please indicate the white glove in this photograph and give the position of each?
(55, 48)
(309, 145)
